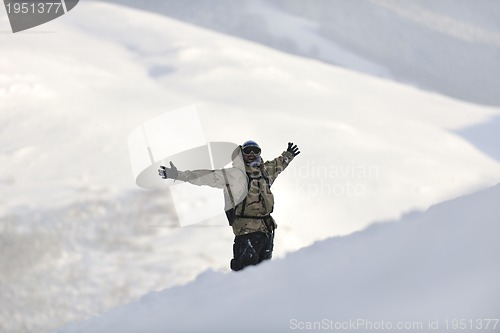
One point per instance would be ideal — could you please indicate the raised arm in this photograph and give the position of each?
(277, 165)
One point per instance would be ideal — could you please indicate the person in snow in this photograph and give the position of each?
(249, 201)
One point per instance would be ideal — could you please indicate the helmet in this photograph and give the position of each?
(249, 147)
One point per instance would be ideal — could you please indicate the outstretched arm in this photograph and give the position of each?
(213, 178)
(276, 166)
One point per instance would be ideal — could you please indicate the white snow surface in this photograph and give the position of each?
(78, 238)
(425, 268)
(447, 46)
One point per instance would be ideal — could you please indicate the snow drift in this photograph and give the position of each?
(427, 268)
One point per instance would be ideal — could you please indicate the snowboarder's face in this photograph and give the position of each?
(250, 154)
(249, 158)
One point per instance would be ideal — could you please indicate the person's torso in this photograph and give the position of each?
(259, 200)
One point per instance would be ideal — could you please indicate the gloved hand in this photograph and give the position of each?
(293, 149)
(171, 172)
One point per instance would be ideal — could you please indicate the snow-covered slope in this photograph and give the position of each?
(447, 46)
(442, 264)
(78, 237)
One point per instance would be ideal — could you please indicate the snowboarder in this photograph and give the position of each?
(249, 201)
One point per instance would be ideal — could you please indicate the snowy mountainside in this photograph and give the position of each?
(360, 123)
(82, 236)
(425, 268)
(451, 47)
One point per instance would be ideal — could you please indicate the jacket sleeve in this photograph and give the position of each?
(276, 166)
(213, 178)
(233, 181)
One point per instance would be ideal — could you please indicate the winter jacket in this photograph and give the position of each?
(247, 190)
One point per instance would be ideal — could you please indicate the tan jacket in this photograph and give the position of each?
(247, 189)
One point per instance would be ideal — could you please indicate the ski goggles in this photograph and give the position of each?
(251, 149)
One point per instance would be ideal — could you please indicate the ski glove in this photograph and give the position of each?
(171, 172)
(293, 149)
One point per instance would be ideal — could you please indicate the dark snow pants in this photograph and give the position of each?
(251, 249)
